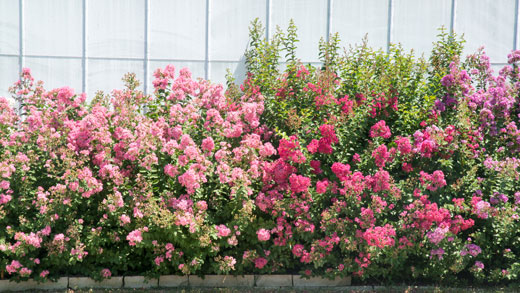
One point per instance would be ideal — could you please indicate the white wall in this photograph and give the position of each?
(90, 44)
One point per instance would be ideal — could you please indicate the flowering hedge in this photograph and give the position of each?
(379, 165)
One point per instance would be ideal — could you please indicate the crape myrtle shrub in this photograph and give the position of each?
(405, 168)
(376, 164)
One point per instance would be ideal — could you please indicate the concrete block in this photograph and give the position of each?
(60, 284)
(84, 282)
(139, 282)
(222, 281)
(173, 281)
(271, 281)
(320, 282)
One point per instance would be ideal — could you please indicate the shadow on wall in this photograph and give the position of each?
(240, 70)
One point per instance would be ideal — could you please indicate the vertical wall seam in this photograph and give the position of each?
(20, 36)
(329, 18)
(515, 37)
(390, 24)
(453, 15)
(84, 62)
(267, 19)
(206, 57)
(146, 42)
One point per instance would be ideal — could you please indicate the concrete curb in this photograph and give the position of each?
(299, 282)
(61, 283)
(273, 281)
(174, 281)
(84, 282)
(222, 281)
(137, 282)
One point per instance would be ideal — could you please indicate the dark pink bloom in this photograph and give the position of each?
(260, 262)
(403, 145)
(289, 150)
(341, 170)
(313, 146)
(327, 131)
(316, 166)
(380, 130)
(299, 183)
(321, 186)
(324, 146)
(381, 155)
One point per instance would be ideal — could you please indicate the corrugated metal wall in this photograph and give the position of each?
(90, 44)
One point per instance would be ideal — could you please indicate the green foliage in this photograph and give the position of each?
(262, 57)
(359, 72)
(446, 50)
